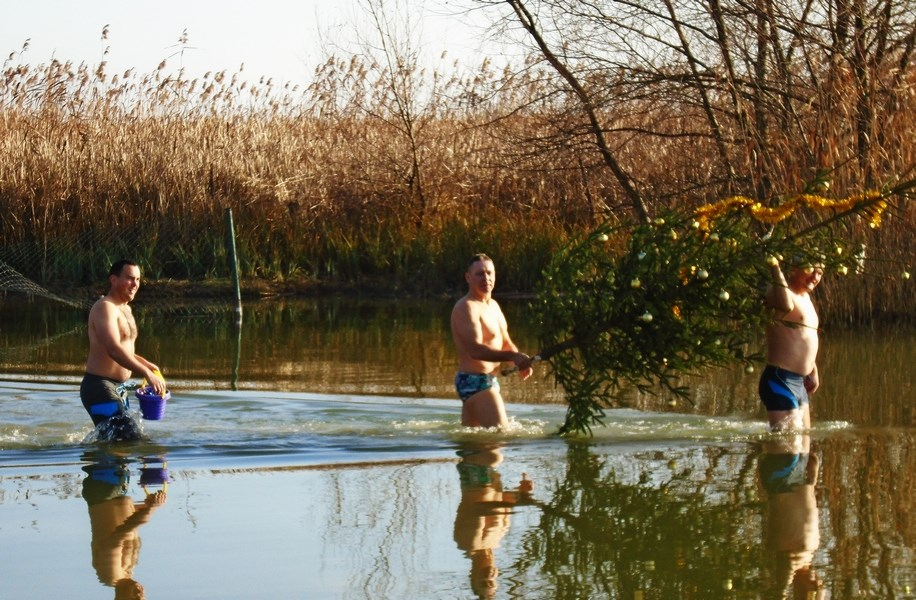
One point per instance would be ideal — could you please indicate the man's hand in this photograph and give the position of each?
(155, 499)
(812, 382)
(524, 362)
(156, 381)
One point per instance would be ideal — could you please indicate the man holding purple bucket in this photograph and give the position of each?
(112, 358)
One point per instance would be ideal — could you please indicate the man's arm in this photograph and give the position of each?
(524, 366)
(149, 365)
(778, 295)
(508, 344)
(142, 513)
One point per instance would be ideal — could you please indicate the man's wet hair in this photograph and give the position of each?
(479, 257)
(119, 266)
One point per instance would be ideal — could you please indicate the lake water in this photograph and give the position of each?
(316, 452)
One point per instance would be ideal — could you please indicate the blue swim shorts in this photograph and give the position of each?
(469, 384)
(781, 389)
(103, 398)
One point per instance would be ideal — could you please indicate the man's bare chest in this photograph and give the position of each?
(126, 323)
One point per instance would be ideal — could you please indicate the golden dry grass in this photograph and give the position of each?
(331, 182)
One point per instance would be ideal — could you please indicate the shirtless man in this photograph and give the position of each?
(482, 339)
(792, 343)
(112, 335)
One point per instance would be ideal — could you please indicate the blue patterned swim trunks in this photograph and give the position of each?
(469, 384)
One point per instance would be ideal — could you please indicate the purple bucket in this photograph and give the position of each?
(154, 476)
(152, 405)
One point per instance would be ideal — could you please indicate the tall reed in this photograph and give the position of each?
(325, 186)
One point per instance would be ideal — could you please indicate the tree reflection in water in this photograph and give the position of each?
(662, 525)
(763, 518)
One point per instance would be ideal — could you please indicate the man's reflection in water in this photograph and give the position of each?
(482, 518)
(115, 518)
(788, 473)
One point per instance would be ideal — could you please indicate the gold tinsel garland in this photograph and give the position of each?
(875, 205)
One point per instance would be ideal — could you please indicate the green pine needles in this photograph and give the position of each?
(641, 306)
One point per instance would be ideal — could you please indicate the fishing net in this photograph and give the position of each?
(73, 269)
(12, 280)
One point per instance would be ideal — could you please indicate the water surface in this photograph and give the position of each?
(316, 452)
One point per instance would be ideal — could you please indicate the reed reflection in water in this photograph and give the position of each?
(404, 348)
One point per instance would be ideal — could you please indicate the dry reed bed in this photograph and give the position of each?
(332, 182)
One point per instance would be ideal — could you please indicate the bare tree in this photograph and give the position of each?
(623, 177)
(766, 95)
(383, 86)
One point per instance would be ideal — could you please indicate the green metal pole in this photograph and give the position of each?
(234, 265)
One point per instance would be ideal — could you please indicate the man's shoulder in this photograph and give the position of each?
(461, 309)
(470, 309)
(104, 306)
(467, 302)
(475, 305)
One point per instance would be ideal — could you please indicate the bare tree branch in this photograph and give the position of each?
(623, 178)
